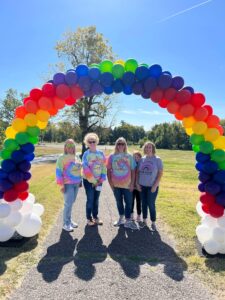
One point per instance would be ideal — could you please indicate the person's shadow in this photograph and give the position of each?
(131, 249)
(89, 251)
(57, 256)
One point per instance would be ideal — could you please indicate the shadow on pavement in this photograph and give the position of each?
(57, 256)
(89, 251)
(131, 249)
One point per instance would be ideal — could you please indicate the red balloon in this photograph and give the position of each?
(31, 106)
(25, 100)
(216, 210)
(178, 116)
(173, 107)
(209, 108)
(21, 186)
(163, 103)
(186, 110)
(207, 198)
(23, 196)
(156, 95)
(201, 114)
(197, 99)
(70, 101)
(183, 96)
(48, 90)
(62, 91)
(20, 112)
(10, 195)
(58, 102)
(45, 103)
(35, 94)
(205, 208)
(170, 94)
(220, 128)
(53, 111)
(213, 121)
(76, 92)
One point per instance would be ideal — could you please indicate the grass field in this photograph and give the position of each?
(176, 210)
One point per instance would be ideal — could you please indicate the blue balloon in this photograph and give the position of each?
(219, 176)
(59, 78)
(145, 95)
(108, 90)
(1, 194)
(203, 177)
(71, 77)
(142, 73)
(150, 84)
(82, 70)
(5, 185)
(220, 199)
(210, 167)
(117, 86)
(3, 174)
(202, 157)
(24, 166)
(27, 148)
(127, 90)
(199, 166)
(84, 83)
(16, 176)
(189, 88)
(94, 73)
(106, 79)
(212, 188)
(155, 71)
(96, 88)
(30, 156)
(164, 81)
(138, 88)
(26, 176)
(201, 187)
(128, 78)
(8, 165)
(17, 155)
(177, 82)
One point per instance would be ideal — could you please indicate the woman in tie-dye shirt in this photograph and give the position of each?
(121, 177)
(94, 173)
(68, 176)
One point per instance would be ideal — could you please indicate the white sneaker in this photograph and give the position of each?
(121, 221)
(73, 224)
(68, 228)
(153, 227)
(138, 218)
(132, 217)
(131, 225)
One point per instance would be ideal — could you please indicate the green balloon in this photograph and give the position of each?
(10, 144)
(118, 71)
(218, 155)
(106, 66)
(33, 131)
(195, 148)
(206, 147)
(196, 139)
(94, 66)
(222, 165)
(131, 65)
(5, 154)
(22, 138)
(33, 139)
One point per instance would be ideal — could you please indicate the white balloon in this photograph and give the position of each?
(26, 208)
(203, 233)
(209, 221)
(218, 234)
(30, 198)
(13, 219)
(30, 225)
(222, 248)
(4, 210)
(221, 221)
(16, 205)
(6, 232)
(199, 209)
(38, 209)
(211, 247)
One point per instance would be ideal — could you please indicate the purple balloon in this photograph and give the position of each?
(212, 188)
(84, 83)
(71, 78)
(220, 199)
(150, 84)
(5, 185)
(3, 174)
(220, 177)
(26, 176)
(59, 78)
(210, 167)
(96, 88)
(128, 78)
(138, 88)
(177, 82)
(203, 177)
(201, 187)
(106, 79)
(165, 81)
(142, 73)
(1, 194)
(16, 176)
(24, 166)
(145, 95)
(189, 88)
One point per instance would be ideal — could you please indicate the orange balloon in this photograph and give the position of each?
(188, 122)
(58, 102)
(213, 121)
(186, 110)
(173, 107)
(201, 114)
(45, 103)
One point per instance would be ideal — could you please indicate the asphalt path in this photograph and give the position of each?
(105, 262)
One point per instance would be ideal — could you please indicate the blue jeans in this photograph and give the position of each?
(70, 196)
(92, 200)
(148, 201)
(120, 195)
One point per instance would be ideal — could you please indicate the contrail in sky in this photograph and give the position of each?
(184, 11)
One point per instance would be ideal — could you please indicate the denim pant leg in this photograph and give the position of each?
(119, 200)
(128, 202)
(95, 204)
(144, 201)
(151, 203)
(90, 191)
(70, 195)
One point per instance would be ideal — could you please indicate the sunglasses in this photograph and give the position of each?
(120, 144)
(91, 142)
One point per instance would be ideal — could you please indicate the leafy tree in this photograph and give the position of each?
(86, 46)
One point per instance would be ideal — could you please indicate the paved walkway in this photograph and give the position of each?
(109, 263)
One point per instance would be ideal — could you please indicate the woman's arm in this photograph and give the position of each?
(158, 178)
(87, 171)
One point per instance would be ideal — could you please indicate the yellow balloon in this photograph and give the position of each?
(42, 115)
(219, 143)
(119, 61)
(188, 122)
(30, 119)
(189, 131)
(42, 125)
(19, 125)
(10, 133)
(199, 127)
(211, 134)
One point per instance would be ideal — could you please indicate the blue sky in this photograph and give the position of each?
(186, 37)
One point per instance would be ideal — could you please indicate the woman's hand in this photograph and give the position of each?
(154, 188)
(131, 188)
(62, 190)
(138, 187)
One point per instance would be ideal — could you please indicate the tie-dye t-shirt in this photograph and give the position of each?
(121, 165)
(68, 169)
(94, 166)
(149, 168)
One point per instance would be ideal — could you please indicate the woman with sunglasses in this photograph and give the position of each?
(121, 177)
(94, 173)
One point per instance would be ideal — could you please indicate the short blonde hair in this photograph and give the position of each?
(69, 143)
(149, 143)
(137, 153)
(92, 136)
(120, 140)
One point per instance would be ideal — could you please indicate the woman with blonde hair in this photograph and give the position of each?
(121, 177)
(94, 173)
(68, 176)
(149, 174)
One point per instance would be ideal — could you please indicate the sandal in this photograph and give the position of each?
(98, 221)
(91, 223)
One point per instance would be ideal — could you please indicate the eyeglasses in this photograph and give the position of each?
(120, 144)
(91, 142)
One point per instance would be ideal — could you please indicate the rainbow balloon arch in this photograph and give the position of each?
(18, 210)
